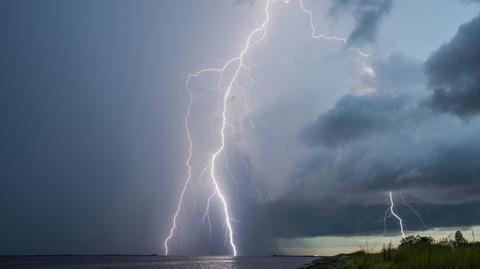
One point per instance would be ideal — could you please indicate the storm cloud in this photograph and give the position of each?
(331, 217)
(355, 117)
(359, 116)
(386, 140)
(454, 73)
(94, 136)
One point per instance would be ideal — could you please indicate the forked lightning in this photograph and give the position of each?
(238, 65)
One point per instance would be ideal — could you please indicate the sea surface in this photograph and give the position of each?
(153, 262)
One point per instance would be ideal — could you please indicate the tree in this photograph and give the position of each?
(459, 239)
(416, 241)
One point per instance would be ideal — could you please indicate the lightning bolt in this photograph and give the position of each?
(316, 35)
(189, 169)
(391, 212)
(206, 215)
(256, 36)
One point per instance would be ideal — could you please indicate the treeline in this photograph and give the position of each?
(419, 252)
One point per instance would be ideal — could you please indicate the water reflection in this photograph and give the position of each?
(153, 262)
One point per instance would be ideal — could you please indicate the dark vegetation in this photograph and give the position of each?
(414, 252)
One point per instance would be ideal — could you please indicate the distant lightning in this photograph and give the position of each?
(255, 37)
(189, 173)
(391, 212)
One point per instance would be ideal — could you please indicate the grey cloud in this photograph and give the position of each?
(379, 142)
(399, 73)
(453, 166)
(368, 15)
(415, 152)
(387, 140)
(443, 184)
(354, 117)
(295, 219)
(454, 73)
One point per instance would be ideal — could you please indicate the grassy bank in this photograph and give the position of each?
(414, 252)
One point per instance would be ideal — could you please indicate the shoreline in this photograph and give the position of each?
(328, 262)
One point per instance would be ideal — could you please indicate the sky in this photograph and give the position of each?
(93, 105)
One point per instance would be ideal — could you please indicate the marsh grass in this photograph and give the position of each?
(417, 252)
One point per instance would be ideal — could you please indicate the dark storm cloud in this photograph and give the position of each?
(301, 219)
(329, 217)
(355, 117)
(454, 73)
(448, 167)
(369, 144)
(443, 185)
(397, 162)
(385, 128)
(390, 141)
(368, 16)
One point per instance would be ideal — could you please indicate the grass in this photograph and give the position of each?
(417, 252)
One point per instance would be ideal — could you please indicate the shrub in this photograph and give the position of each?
(416, 241)
(420, 252)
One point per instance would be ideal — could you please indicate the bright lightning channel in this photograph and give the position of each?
(391, 212)
(206, 216)
(189, 171)
(239, 60)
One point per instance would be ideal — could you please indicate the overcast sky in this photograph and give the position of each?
(93, 100)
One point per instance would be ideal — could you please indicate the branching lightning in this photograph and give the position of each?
(206, 215)
(316, 35)
(238, 64)
(391, 212)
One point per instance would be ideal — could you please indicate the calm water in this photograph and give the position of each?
(153, 262)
